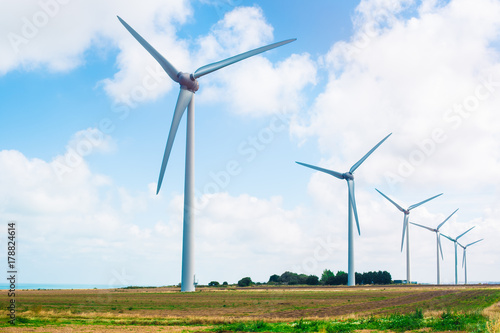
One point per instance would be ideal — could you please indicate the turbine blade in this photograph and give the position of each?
(422, 202)
(463, 259)
(465, 232)
(440, 247)
(474, 242)
(330, 172)
(183, 100)
(448, 238)
(355, 166)
(423, 226)
(229, 61)
(167, 66)
(405, 225)
(350, 185)
(395, 204)
(439, 226)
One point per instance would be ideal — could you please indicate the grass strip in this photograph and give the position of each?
(395, 322)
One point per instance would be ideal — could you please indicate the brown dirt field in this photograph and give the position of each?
(107, 329)
(210, 306)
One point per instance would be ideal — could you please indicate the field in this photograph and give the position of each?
(279, 309)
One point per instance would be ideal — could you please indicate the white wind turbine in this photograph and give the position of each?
(349, 177)
(406, 228)
(189, 85)
(456, 260)
(464, 260)
(438, 242)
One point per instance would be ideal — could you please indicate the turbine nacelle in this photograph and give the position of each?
(188, 81)
(348, 176)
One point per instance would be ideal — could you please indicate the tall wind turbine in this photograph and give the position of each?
(438, 242)
(464, 260)
(407, 229)
(189, 85)
(349, 177)
(455, 241)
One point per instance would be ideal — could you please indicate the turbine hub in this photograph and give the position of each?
(188, 81)
(348, 176)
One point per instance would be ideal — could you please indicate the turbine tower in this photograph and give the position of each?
(455, 241)
(464, 260)
(349, 177)
(188, 86)
(438, 242)
(407, 229)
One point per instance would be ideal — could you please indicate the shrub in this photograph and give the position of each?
(245, 282)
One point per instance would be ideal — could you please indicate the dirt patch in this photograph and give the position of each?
(107, 329)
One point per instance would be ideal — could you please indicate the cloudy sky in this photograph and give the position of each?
(85, 113)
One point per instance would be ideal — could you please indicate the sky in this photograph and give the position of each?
(85, 113)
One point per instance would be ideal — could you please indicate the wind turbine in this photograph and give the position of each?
(349, 177)
(464, 260)
(407, 229)
(455, 241)
(438, 242)
(189, 85)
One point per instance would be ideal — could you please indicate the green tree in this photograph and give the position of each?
(274, 278)
(289, 278)
(245, 282)
(326, 275)
(341, 278)
(213, 284)
(302, 278)
(312, 280)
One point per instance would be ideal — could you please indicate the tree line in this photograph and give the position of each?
(327, 278)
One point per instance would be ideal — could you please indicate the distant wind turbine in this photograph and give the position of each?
(189, 85)
(349, 177)
(407, 229)
(438, 242)
(464, 260)
(456, 260)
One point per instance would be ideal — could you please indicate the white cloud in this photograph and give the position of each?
(407, 79)
(432, 80)
(255, 86)
(56, 33)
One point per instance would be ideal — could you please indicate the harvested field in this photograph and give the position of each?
(149, 309)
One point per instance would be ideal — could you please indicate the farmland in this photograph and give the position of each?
(168, 310)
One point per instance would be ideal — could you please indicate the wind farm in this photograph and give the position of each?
(101, 235)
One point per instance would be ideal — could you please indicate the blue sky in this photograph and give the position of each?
(86, 112)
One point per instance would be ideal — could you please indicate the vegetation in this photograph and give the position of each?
(245, 282)
(276, 309)
(329, 278)
(396, 322)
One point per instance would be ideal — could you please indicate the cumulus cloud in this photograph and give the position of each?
(55, 33)
(82, 222)
(429, 73)
(256, 86)
(432, 77)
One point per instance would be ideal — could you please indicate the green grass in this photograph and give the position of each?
(395, 322)
(395, 309)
